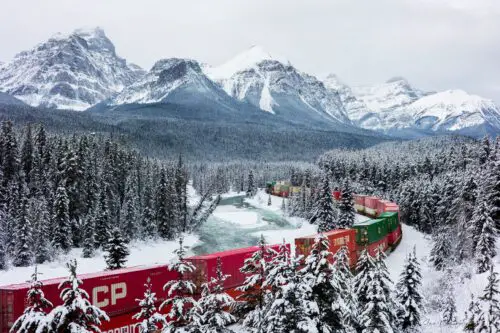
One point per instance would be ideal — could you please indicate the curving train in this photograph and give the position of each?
(116, 292)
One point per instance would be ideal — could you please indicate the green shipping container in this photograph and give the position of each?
(370, 231)
(392, 220)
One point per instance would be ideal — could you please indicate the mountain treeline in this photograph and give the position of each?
(59, 192)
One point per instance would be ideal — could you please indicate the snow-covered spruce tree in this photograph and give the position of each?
(38, 212)
(324, 215)
(293, 308)
(116, 250)
(387, 286)
(364, 273)
(348, 299)
(23, 253)
(408, 293)
(3, 237)
(103, 219)
(149, 317)
(129, 215)
(441, 249)
(253, 294)
(484, 153)
(251, 186)
(164, 206)
(89, 237)
(472, 316)
(376, 313)
(489, 320)
(61, 222)
(76, 314)
(462, 215)
(210, 315)
(347, 214)
(318, 274)
(278, 269)
(179, 292)
(486, 240)
(34, 313)
(269, 202)
(449, 314)
(283, 205)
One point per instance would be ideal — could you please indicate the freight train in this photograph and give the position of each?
(117, 291)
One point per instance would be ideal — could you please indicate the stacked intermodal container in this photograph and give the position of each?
(371, 206)
(231, 260)
(113, 291)
(337, 238)
(359, 203)
(371, 234)
(386, 206)
(393, 227)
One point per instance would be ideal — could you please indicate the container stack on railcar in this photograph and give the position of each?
(116, 291)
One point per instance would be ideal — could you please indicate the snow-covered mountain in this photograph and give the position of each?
(272, 84)
(71, 71)
(396, 107)
(166, 80)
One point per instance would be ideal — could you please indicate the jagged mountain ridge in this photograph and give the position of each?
(80, 70)
(72, 71)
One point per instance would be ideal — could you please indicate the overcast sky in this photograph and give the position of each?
(435, 44)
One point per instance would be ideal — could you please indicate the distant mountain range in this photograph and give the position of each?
(81, 71)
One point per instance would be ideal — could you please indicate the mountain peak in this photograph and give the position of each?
(397, 79)
(249, 58)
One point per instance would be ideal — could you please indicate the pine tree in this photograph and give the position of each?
(129, 212)
(116, 250)
(472, 316)
(251, 185)
(323, 213)
(347, 214)
(408, 293)
(441, 249)
(269, 203)
(164, 206)
(278, 268)
(343, 277)
(34, 313)
(149, 317)
(27, 155)
(23, 254)
(486, 248)
(376, 314)
(3, 237)
(293, 308)
(61, 222)
(485, 151)
(364, 272)
(449, 315)
(283, 206)
(489, 321)
(38, 212)
(256, 270)
(318, 273)
(76, 314)
(179, 292)
(210, 315)
(89, 241)
(103, 222)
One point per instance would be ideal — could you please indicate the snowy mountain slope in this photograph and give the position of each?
(397, 108)
(272, 84)
(71, 71)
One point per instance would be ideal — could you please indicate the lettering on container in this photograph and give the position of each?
(125, 329)
(100, 297)
(341, 241)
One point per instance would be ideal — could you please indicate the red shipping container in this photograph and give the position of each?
(113, 291)
(386, 206)
(394, 237)
(359, 202)
(371, 206)
(232, 261)
(336, 195)
(337, 238)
